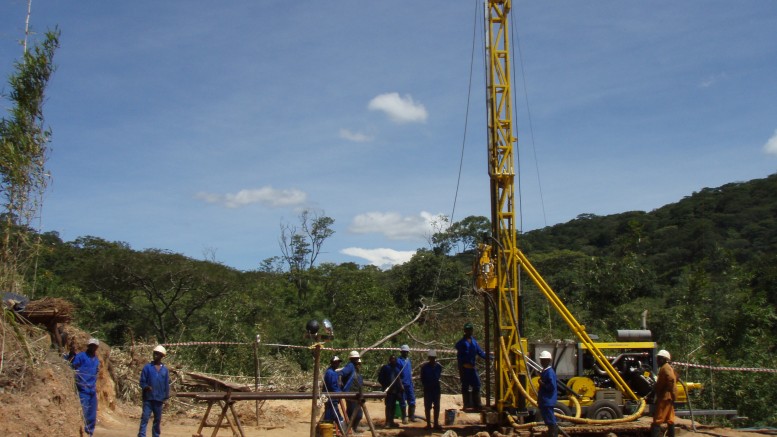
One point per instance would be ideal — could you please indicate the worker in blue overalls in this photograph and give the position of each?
(332, 385)
(547, 395)
(408, 396)
(86, 365)
(155, 384)
(431, 371)
(390, 379)
(467, 351)
(352, 382)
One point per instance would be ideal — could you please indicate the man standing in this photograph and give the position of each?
(390, 381)
(548, 393)
(352, 382)
(467, 351)
(666, 394)
(86, 365)
(155, 383)
(332, 385)
(408, 396)
(431, 371)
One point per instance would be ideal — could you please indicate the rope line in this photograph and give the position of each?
(295, 346)
(723, 368)
(444, 351)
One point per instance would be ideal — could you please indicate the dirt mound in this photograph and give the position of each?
(37, 390)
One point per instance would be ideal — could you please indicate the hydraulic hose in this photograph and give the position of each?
(688, 399)
(576, 418)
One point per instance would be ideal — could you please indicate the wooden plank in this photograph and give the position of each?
(217, 383)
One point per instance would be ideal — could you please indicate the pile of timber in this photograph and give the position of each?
(47, 311)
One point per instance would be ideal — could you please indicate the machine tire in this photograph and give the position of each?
(604, 409)
(563, 409)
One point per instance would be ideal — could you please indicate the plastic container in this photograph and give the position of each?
(325, 429)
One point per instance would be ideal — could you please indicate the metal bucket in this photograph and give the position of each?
(450, 417)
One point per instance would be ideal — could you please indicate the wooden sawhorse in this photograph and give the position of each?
(227, 409)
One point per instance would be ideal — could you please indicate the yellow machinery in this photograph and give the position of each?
(602, 394)
(501, 262)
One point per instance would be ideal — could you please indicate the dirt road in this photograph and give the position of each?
(292, 418)
(277, 418)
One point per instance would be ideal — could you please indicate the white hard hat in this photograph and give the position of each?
(335, 358)
(432, 353)
(664, 353)
(545, 355)
(353, 354)
(161, 349)
(93, 341)
(404, 348)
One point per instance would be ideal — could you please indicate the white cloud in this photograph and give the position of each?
(399, 109)
(771, 146)
(354, 136)
(394, 226)
(382, 257)
(267, 196)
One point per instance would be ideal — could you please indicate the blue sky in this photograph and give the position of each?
(200, 127)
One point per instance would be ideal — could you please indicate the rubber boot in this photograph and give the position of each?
(411, 412)
(404, 416)
(670, 430)
(428, 414)
(437, 418)
(553, 430)
(390, 417)
(466, 399)
(476, 404)
(655, 430)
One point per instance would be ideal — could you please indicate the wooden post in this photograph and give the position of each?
(256, 375)
(316, 390)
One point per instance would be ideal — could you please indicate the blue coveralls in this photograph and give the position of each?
(390, 381)
(352, 381)
(153, 401)
(430, 378)
(408, 396)
(547, 395)
(86, 368)
(466, 354)
(332, 385)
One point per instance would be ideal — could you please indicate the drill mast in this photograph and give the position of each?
(501, 170)
(500, 261)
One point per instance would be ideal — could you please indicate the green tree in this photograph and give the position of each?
(23, 148)
(301, 245)
(354, 300)
(428, 275)
(168, 291)
(462, 236)
(152, 293)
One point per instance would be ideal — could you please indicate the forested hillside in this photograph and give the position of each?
(704, 269)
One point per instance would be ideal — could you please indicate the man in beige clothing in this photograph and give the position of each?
(666, 394)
